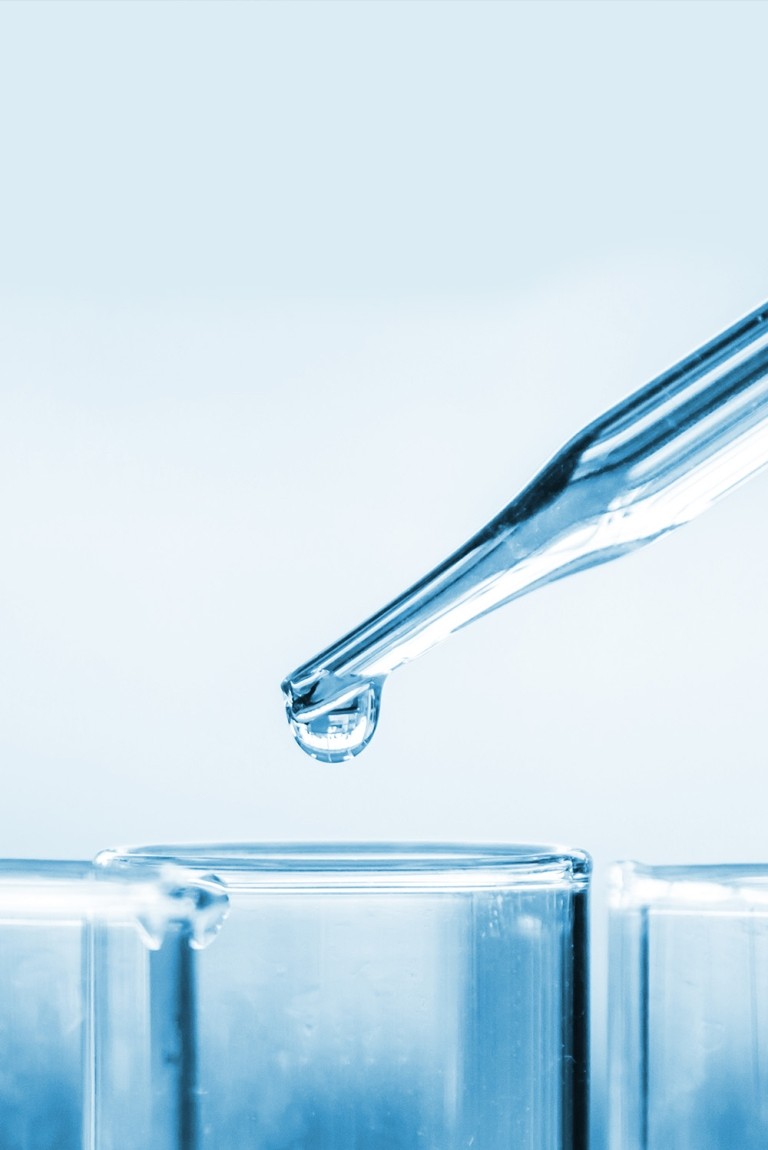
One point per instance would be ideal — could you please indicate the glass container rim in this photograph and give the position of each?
(695, 887)
(51, 891)
(367, 865)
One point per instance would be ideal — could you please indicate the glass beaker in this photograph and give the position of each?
(96, 1036)
(391, 997)
(688, 1009)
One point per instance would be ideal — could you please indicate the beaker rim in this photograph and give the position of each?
(364, 865)
(698, 887)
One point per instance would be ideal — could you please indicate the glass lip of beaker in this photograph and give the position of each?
(696, 888)
(372, 865)
(50, 891)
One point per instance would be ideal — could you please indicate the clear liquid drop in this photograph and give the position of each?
(342, 731)
(211, 908)
(201, 906)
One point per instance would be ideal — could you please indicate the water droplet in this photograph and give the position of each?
(211, 908)
(200, 905)
(343, 730)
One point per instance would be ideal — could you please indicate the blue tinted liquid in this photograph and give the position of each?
(395, 1021)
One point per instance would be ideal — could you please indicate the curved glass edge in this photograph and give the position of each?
(153, 901)
(697, 887)
(366, 865)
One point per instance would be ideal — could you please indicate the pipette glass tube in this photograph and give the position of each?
(647, 466)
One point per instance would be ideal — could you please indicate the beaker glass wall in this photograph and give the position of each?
(96, 1032)
(391, 998)
(688, 1007)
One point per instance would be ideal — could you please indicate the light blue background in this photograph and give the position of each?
(294, 297)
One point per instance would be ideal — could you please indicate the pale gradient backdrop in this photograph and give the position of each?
(293, 298)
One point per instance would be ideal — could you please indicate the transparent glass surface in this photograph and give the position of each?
(648, 465)
(689, 1008)
(96, 1036)
(391, 998)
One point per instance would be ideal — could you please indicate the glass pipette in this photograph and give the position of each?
(645, 467)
